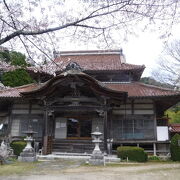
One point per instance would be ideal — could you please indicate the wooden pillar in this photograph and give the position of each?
(29, 114)
(46, 122)
(45, 137)
(155, 121)
(9, 119)
(45, 134)
(154, 149)
(109, 126)
(105, 131)
(132, 107)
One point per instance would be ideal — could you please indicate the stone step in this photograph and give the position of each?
(74, 146)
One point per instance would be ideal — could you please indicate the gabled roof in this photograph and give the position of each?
(89, 61)
(110, 60)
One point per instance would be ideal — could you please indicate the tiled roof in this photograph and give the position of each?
(15, 92)
(101, 62)
(174, 128)
(137, 89)
(107, 60)
(134, 89)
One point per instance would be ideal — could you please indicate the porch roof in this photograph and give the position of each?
(134, 90)
(71, 76)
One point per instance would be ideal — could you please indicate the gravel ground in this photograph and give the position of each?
(73, 170)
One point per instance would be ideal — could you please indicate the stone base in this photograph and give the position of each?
(97, 158)
(27, 159)
(96, 162)
(27, 156)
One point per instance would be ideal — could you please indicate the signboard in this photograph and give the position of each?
(162, 133)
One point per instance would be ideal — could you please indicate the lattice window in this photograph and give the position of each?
(133, 127)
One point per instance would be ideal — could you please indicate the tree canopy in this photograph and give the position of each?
(168, 66)
(13, 57)
(42, 25)
(174, 114)
(17, 77)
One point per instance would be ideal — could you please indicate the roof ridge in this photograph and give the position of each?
(134, 64)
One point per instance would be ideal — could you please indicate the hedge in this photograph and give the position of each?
(18, 147)
(174, 148)
(154, 158)
(132, 153)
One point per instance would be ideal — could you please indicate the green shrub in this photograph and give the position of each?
(154, 158)
(18, 146)
(132, 153)
(174, 148)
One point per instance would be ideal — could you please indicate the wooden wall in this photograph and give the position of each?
(134, 120)
(20, 117)
(137, 106)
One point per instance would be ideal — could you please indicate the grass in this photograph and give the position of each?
(16, 168)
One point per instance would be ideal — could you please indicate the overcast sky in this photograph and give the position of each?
(146, 48)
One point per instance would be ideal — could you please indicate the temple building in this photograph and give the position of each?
(84, 90)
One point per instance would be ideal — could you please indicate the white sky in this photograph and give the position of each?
(146, 49)
(142, 49)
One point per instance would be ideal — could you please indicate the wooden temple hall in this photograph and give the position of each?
(89, 89)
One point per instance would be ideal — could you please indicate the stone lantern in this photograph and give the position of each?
(97, 157)
(28, 154)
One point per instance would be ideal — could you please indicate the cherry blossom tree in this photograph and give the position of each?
(168, 66)
(39, 26)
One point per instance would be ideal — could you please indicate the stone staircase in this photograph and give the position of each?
(74, 146)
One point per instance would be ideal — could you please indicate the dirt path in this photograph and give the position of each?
(72, 171)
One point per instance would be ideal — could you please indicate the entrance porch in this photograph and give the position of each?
(74, 105)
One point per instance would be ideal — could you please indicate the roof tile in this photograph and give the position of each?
(174, 128)
(134, 89)
(137, 89)
(96, 62)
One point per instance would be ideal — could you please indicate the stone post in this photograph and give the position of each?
(28, 154)
(97, 157)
